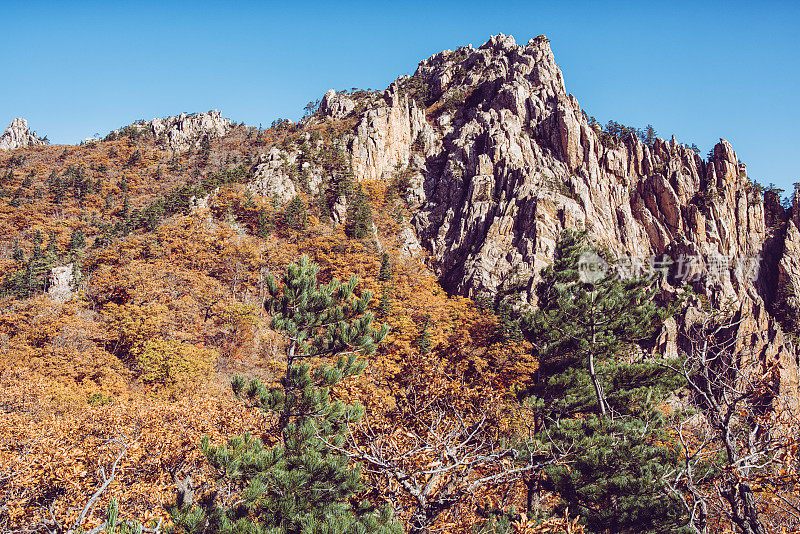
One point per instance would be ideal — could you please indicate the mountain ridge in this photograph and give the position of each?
(507, 158)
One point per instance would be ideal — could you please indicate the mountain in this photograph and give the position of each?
(500, 158)
(136, 269)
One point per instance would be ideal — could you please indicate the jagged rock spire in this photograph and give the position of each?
(17, 135)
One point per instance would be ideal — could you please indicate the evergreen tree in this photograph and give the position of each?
(56, 187)
(263, 227)
(595, 395)
(151, 216)
(386, 268)
(508, 323)
(386, 303)
(31, 276)
(304, 484)
(126, 207)
(16, 282)
(77, 240)
(295, 215)
(18, 254)
(423, 340)
(38, 240)
(51, 253)
(205, 150)
(650, 135)
(359, 216)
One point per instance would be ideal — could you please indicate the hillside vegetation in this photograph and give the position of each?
(167, 306)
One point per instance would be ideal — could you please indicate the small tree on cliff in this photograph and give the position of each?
(302, 485)
(595, 394)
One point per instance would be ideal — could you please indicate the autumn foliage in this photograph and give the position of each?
(167, 304)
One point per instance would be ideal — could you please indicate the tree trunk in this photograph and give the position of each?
(743, 508)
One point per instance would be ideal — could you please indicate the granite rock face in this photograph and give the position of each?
(186, 130)
(271, 178)
(17, 135)
(336, 105)
(61, 283)
(787, 293)
(504, 158)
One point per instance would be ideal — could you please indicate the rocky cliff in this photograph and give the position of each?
(503, 158)
(17, 135)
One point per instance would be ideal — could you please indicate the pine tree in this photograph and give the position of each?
(263, 227)
(205, 150)
(304, 484)
(386, 268)
(77, 240)
(359, 216)
(126, 207)
(51, 253)
(18, 254)
(16, 282)
(56, 187)
(508, 327)
(295, 215)
(423, 341)
(386, 303)
(38, 240)
(595, 396)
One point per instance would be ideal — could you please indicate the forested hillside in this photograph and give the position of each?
(393, 286)
(166, 306)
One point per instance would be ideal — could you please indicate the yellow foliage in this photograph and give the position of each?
(172, 363)
(130, 326)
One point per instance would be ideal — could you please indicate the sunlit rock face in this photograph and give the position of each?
(499, 158)
(185, 130)
(17, 135)
(504, 159)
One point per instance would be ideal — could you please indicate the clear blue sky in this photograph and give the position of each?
(698, 70)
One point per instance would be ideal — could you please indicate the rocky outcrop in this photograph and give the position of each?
(61, 283)
(271, 176)
(506, 159)
(787, 297)
(17, 135)
(185, 130)
(335, 105)
(385, 134)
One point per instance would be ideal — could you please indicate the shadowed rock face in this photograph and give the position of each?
(505, 159)
(17, 135)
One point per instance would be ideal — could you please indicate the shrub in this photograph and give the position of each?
(170, 362)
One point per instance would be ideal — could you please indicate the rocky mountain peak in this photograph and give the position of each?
(501, 159)
(497, 63)
(498, 159)
(335, 105)
(17, 135)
